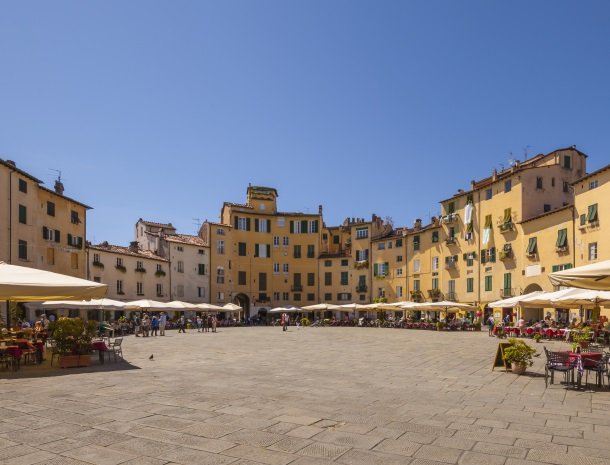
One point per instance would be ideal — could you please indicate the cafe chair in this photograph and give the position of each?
(115, 348)
(599, 367)
(557, 361)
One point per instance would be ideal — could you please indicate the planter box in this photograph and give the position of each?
(73, 361)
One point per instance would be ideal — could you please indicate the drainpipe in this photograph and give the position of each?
(478, 213)
(10, 237)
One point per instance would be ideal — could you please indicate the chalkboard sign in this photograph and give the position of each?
(499, 360)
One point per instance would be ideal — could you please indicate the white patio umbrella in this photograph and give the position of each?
(593, 276)
(209, 307)
(350, 307)
(321, 307)
(445, 305)
(179, 305)
(23, 284)
(585, 297)
(286, 309)
(99, 304)
(513, 302)
(231, 307)
(547, 298)
(145, 304)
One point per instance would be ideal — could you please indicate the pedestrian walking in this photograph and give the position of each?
(145, 325)
(181, 324)
(162, 323)
(491, 322)
(206, 323)
(136, 324)
(154, 325)
(284, 322)
(214, 323)
(198, 319)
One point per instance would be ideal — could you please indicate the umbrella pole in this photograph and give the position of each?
(8, 313)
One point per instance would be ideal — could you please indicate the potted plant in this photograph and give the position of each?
(582, 338)
(520, 355)
(73, 341)
(537, 337)
(440, 325)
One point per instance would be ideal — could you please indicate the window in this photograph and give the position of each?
(434, 236)
(567, 162)
(139, 265)
(285, 241)
(417, 265)
(469, 258)
(328, 296)
(362, 255)
(508, 184)
(507, 284)
(398, 271)
(380, 269)
(23, 214)
(50, 209)
(435, 261)
(201, 269)
(328, 263)
(313, 226)
(74, 260)
(285, 268)
(220, 296)
(180, 290)
(220, 232)
(139, 288)
(276, 241)
(311, 279)
(296, 297)
(562, 239)
(242, 224)
(328, 278)
(74, 219)
(416, 242)
(241, 278)
(220, 246)
(552, 182)
(362, 233)
(97, 279)
(261, 225)
(311, 297)
(241, 249)
(416, 285)
(295, 227)
(398, 242)
(592, 213)
(336, 239)
(450, 208)
(539, 182)
(488, 194)
(297, 251)
(469, 284)
(566, 186)
(452, 232)
(179, 248)
(276, 268)
(276, 296)
(399, 258)
(381, 292)
(399, 292)
(343, 296)
(119, 287)
(381, 246)
(220, 275)
(159, 290)
(488, 283)
(593, 184)
(532, 246)
(547, 207)
(200, 291)
(344, 278)
(23, 186)
(119, 262)
(180, 266)
(281, 222)
(159, 267)
(593, 251)
(51, 256)
(311, 251)
(285, 296)
(565, 266)
(344, 262)
(201, 252)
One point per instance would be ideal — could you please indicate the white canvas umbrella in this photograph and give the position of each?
(513, 302)
(350, 307)
(547, 298)
(231, 307)
(99, 304)
(445, 305)
(286, 309)
(593, 276)
(585, 297)
(209, 307)
(179, 305)
(321, 307)
(23, 284)
(145, 304)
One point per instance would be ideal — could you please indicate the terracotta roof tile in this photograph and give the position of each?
(105, 247)
(185, 239)
(159, 225)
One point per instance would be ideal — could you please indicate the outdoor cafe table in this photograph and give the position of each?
(507, 330)
(582, 360)
(101, 348)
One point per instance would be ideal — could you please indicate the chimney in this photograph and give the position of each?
(133, 246)
(59, 187)
(12, 163)
(494, 175)
(319, 209)
(434, 220)
(105, 244)
(472, 183)
(417, 224)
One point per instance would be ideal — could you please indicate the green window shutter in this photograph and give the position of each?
(236, 222)
(45, 232)
(256, 250)
(247, 224)
(594, 212)
(492, 254)
(268, 226)
(268, 250)
(256, 228)
(469, 284)
(303, 226)
(23, 214)
(483, 256)
(375, 269)
(80, 242)
(291, 227)
(487, 221)
(567, 266)
(507, 280)
(464, 256)
(507, 215)
(583, 219)
(387, 268)
(69, 239)
(562, 236)
(57, 235)
(555, 268)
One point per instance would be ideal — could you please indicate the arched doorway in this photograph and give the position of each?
(531, 314)
(244, 302)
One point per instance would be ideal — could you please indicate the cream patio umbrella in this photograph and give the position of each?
(286, 309)
(209, 307)
(99, 304)
(145, 304)
(594, 276)
(23, 284)
(547, 298)
(321, 307)
(586, 298)
(513, 302)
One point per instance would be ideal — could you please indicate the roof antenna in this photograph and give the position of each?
(197, 223)
(59, 187)
(525, 150)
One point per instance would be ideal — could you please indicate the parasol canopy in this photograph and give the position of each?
(321, 307)
(99, 304)
(593, 276)
(515, 301)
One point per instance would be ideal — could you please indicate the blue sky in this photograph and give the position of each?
(164, 110)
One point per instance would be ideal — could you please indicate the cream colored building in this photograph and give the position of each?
(389, 266)
(130, 272)
(423, 267)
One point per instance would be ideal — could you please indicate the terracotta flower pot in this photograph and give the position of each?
(518, 368)
(73, 361)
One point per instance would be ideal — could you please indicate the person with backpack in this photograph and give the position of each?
(136, 325)
(491, 322)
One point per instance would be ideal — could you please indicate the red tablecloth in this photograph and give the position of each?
(584, 360)
(14, 351)
(99, 345)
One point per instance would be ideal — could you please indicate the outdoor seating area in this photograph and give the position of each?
(573, 365)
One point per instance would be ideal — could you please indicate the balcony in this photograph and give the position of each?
(507, 226)
(449, 218)
(361, 264)
(121, 268)
(141, 270)
(451, 240)
(417, 296)
(434, 294)
(452, 296)
(506, 254)
(450, 265)
(361, 288)
(159, 273)
(98, 264)
(507, 292)
(296, 288)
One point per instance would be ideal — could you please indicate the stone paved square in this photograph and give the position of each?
(308, 396)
